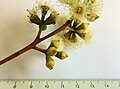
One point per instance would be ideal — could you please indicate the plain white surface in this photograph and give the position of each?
(100, 59)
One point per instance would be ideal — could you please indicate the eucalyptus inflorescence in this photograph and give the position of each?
(75, 21)
(81, 13)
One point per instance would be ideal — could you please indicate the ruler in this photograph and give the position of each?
(60, 84)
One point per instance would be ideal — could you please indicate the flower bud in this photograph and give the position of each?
(51, 19)
(80, 31)
(35, 19)
(83, 26)
(67, 35)
(61, 55)
(82, 35)
(55, 43)
(45, 9)
(73, 37)
(76, 23)
(52, 51)
(92, 17)
(49, 62)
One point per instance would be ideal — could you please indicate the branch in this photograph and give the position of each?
(39, 49)
(34, 43)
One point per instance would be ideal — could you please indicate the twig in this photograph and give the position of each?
(34, 43)
(39, 49)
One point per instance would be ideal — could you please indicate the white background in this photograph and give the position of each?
(100, 59)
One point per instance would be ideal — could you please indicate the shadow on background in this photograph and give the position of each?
(14, 35)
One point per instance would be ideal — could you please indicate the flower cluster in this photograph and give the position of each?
(38, 14)
(80, 12)
(77, 33)
(84, 9)
(52, 51)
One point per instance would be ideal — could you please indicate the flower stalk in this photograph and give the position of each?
(34, 43)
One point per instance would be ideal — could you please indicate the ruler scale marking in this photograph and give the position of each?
(60, 84)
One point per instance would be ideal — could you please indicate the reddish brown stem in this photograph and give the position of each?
(39, 49)
(34, 43)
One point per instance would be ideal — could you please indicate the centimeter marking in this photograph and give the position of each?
(60, 84)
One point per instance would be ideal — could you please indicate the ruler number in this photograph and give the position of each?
(31, 85)
(106, 85)
(91, 85)
(14, 86)
(119, 85)
(77, 86)
(46, 86)
(62, 86)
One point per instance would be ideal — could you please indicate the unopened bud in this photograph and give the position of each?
(73, 38)
(82, 35)
(49, 62)
(55, 43)
(61, 55)
(83, 26)
(52, 51)
(80, 31)
(35, 19)
(67, 35)
(76, 23)
(45, 9)
(51, 19)
(92, 17)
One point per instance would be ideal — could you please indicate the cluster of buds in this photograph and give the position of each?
(42, 20)
(52, 51)
(76, 28)
(81, 13)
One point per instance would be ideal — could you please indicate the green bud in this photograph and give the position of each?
(61, 55)
(70, 35)
(67, 35)
(82, 35)
(35, 19)
(51, 19)
(80, 31)
(52, 51)
(83, 26)
(92, 17)
(76, 23)
(73, 37)
(49, 62)
(55, 43)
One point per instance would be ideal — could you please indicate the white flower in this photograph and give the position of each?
(88, 35)
(84, 9)
(71, 38)
(42, 7)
